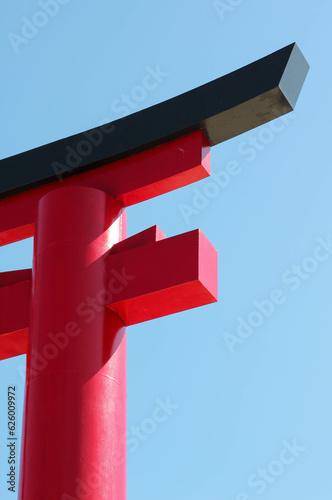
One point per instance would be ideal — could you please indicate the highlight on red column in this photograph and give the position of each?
(186, 281)
(89, 283)
(148, 276)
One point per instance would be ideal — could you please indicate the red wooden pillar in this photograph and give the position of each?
(75, 410)
(81, 295)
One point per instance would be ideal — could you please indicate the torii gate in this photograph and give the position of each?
(88, 282)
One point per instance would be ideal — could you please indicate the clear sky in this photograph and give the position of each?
(251, 417)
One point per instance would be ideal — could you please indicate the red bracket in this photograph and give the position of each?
(154, 277)
(164, 277)
(15, 291)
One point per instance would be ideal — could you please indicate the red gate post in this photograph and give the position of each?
(75, 413)
(85, 288)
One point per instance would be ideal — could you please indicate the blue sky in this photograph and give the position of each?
(251, 418)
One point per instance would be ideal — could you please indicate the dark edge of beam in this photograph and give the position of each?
(223, 108)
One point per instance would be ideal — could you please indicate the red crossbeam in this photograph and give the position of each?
(155, 277)
(165, 277)
(132, 180)
(15, 291)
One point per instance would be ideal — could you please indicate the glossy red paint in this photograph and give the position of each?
(132, 180)
(75, 414)
(146, 277)
(70, 314)
(164, 277)
(15, 291)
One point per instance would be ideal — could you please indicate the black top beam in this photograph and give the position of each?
(223, 108)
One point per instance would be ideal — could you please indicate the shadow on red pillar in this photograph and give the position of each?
(75, 411)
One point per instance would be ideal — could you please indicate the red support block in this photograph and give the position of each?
(150, 235)
(147, 277)
(165, 277)
(15, 292)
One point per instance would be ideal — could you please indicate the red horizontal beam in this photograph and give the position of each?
(169, 276)
(131, 180)
(15, 291)
(147, 276)
(14, 344)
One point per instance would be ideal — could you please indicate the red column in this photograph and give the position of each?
(75, 411)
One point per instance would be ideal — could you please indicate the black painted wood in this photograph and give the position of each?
(223, 108)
